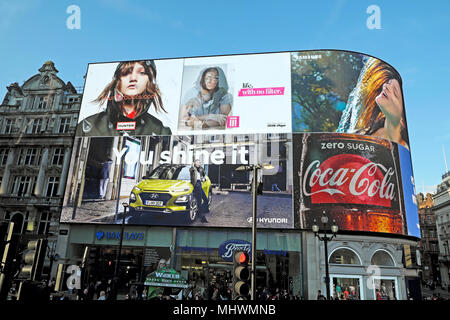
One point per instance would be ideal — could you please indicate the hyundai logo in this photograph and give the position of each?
(154, 196)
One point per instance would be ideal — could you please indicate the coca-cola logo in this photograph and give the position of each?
(349, 178)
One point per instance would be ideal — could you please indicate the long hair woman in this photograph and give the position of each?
(382, 112)
(128, 97)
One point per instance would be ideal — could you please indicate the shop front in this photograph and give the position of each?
(201, 257)
(205, 259)
(143, 251)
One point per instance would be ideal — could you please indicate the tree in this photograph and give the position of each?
(321, 86)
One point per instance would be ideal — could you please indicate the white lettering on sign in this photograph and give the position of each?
(130, 125)
(74, 280)
(331, 177)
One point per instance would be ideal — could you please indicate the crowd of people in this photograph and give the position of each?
(216, 291)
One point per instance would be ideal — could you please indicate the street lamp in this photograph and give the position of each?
(254, 168)
(325, 238)
(119, 252)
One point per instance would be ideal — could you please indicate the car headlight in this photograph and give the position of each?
(182, 199)
(137, 189)
(132, 197)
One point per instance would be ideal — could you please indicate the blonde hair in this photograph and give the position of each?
(376, 74)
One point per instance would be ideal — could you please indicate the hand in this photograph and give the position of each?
(191, 121)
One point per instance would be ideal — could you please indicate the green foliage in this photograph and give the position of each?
(317, 84)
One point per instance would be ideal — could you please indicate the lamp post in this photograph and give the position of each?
(116, 267)
(325, 238)
(254, 168)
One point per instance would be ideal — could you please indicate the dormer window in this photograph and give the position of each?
(42, 104)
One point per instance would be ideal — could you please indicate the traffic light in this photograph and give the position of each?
(34, 256)
(241, 275)
(10, 244)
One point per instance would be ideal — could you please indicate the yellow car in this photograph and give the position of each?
(167, 190)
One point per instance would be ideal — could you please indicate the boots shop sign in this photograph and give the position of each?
(227, 248)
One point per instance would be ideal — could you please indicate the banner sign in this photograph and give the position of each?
(166, 278)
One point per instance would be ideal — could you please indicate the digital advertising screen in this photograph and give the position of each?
(175, 140)
(201, 180)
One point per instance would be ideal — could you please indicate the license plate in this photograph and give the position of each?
(153, 203)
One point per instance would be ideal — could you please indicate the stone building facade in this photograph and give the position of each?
(37, 126)
(429, 248)
(442, 211)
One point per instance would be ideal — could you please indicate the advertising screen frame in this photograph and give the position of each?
(223, 59)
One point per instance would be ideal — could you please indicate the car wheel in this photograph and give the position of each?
(193, 210)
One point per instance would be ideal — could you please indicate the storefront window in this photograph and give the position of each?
(346, 288)
(385, 289)
(278, 267)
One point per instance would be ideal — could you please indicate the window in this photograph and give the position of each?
(28, 156)
(344, 256)
(42, 102)
(22, 185)
(44, 223)
(52, 186)
(382, 258)
(64, 125)
(3, 156)
(37, 125)
(58, 157)
(8, 125)
(434, 247)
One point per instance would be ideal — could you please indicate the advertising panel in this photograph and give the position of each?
(175, 139)
(409, 191)
(200, 180)
(354, 180)
(347, 92)
(232, 94)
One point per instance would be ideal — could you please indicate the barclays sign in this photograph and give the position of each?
(227, 248)
(101, 235)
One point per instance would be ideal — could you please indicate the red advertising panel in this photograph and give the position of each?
(352, 179)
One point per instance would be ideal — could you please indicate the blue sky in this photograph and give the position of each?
(413, 38)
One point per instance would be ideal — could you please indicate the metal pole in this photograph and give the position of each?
(116, 267)
(327, 273)
(253, 274)
(120, 181)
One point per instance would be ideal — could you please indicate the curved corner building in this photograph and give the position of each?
(328, 130)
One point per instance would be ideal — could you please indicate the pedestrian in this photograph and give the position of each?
(197, 176)
(320, 296)
(378, 293)
(102, 295)
(104, 177)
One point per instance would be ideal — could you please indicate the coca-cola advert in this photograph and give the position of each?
(354, 180)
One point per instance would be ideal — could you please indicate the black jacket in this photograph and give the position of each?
(193, 175)
(105, 124)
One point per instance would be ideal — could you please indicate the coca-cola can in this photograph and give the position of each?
(352, 179)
